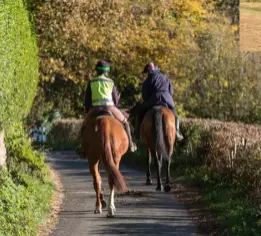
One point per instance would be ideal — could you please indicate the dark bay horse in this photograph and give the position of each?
(158, 133)
(105, 141)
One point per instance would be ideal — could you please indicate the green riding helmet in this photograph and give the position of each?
(102, 66)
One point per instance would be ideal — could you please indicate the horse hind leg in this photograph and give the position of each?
(111, 206)
(101, 195)
(94, 169)
(148, 181)
(158, 168)
(167, 187)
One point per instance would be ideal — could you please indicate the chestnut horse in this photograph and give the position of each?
(105, 141)
(158, 133)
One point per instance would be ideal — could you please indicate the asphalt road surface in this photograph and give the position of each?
(141, 211)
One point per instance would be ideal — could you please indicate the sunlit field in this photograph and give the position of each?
(250, 26)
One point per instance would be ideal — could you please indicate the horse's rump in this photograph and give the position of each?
(104, 139)
(158, 130)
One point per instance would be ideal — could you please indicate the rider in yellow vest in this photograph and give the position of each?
(101, 93)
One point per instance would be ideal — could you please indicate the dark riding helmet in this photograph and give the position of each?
(149, 67)
(102, 66)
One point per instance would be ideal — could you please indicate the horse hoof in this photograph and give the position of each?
(103, 204)
(111, 211)
(149, 182)
(114, 208)
(159, 188)
(167, 188)
(97, 211)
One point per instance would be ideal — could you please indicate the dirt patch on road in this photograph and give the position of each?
(49, 225)
(250, 27)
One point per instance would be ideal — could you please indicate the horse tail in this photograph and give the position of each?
(158, 133)
(107, 158)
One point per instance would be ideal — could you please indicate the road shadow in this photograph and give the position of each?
(144, 229)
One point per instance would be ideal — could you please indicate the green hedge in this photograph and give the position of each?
(25, 187)
(23, 207)
(65, 134)
(19, 61)
(22, 159)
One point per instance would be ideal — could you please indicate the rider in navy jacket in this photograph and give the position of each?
(157, 90)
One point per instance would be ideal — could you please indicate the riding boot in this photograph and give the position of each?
(132, 145)
(178, 133)
(179, 136)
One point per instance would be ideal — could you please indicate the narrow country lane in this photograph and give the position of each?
(141, 212)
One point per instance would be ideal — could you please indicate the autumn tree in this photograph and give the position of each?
(192, 41)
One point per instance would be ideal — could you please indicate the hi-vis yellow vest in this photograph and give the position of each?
(102, 91)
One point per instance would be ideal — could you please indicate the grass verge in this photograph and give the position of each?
(25, 187)
(236, 214)
(23, 207)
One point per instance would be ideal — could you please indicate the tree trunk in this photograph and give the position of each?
(2, 149)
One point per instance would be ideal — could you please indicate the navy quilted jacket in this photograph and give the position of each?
(158, 86)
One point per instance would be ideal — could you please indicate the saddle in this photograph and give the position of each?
(102, 112)
(96, 113)
(158, 106)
